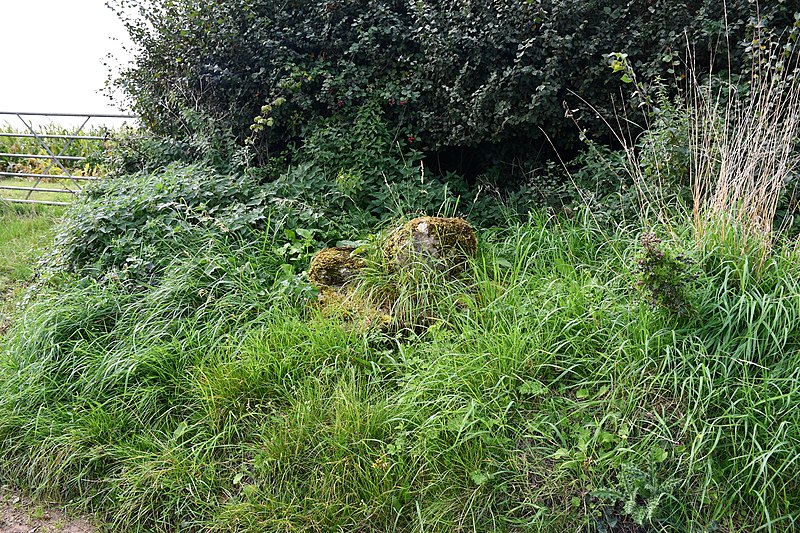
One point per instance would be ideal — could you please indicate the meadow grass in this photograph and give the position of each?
(24, 231)
(542, 393)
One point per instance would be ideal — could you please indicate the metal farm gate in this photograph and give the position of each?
(59, 175)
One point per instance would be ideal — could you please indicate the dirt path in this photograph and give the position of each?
(20, 515)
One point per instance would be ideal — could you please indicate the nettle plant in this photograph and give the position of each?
(130, 225)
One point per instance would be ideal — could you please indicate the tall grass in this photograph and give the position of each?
(743, 141)
(547, 397)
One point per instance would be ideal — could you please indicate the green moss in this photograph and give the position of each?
(334, 267)
(330, 270)
(451, 241)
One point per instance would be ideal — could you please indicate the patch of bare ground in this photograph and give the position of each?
(22, 515)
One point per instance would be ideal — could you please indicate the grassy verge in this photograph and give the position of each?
(24, 230)
(175, 371)
(548, 395)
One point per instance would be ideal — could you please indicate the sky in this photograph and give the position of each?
(53, 57)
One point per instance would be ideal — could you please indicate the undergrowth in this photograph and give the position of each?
(629, 364)
(547, 395)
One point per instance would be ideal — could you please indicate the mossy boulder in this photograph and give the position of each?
(330, 271)
(443, 242)
(354, 312)
(334, 267)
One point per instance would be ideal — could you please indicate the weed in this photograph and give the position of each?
(638, 496)
(664, 276)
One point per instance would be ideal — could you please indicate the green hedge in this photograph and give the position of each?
(448, 75)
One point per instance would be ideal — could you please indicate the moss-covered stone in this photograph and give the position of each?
(330, 271)
(354, 312)
(445, 242)
(334, 267)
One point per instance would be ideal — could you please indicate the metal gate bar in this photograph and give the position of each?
(56, 160)
(51, 136)
(74, 115)
(54, 176)
(38, 189)
(41, 156)
(40, 202)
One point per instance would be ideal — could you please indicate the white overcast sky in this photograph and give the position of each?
(53, 55)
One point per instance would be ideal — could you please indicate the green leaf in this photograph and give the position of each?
(561, 453)
(479, 478)
(505, 263)
(659, 454)
(533, 388)
(607, 438)
(180, 430)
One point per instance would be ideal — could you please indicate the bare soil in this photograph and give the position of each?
(19, 514)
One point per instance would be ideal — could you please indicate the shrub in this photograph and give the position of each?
(130, 225)
(453, 76)
(133, 150)
(376, 169)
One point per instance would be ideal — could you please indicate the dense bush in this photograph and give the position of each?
(447, 75)
(134, 150)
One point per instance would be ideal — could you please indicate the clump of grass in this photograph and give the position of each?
(743, 142)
